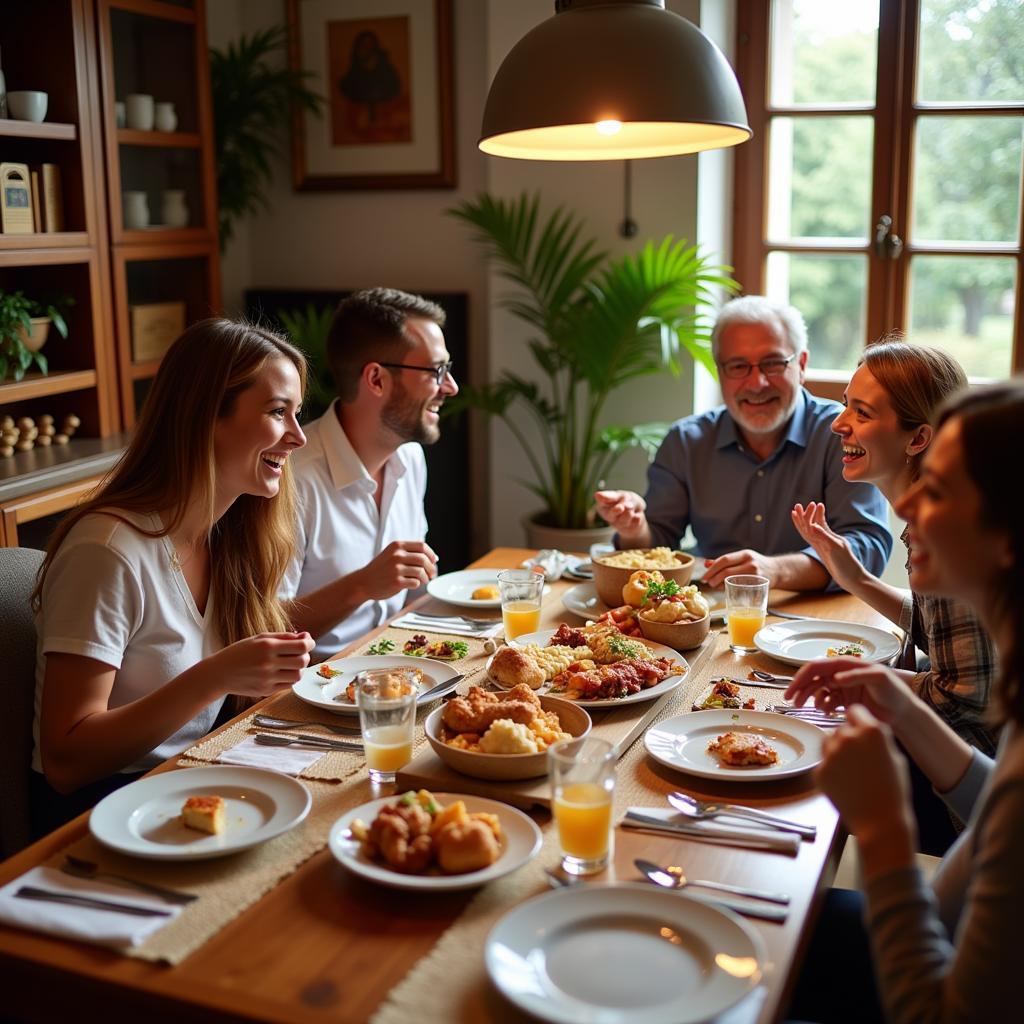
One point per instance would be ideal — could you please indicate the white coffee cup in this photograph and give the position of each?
(136, 210)
(139, 111)
(173, 209)
(27, 105)
(119, 114)
(165, 118)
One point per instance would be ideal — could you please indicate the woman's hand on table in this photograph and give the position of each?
(261, 665)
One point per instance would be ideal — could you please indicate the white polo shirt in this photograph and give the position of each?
(339, 527)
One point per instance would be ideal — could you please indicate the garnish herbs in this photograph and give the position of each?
(382, 646)
(659, 591)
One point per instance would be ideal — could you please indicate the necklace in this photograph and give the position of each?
(178, 564)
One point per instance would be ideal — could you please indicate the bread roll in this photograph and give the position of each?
(466, 846)
(512, 667)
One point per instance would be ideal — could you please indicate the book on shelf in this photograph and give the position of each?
(154, 326)
(37, 220)
(15, 199)
(51, 199)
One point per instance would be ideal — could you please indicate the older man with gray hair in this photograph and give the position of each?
(734, 473)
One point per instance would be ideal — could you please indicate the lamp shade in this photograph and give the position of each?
(612, 80)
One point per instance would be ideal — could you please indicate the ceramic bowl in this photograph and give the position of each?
(27, 104)
(610, 579)
(680, 636)
(506, 766)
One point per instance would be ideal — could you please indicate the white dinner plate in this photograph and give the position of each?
(582, 600)
(623, 954)
(520, 843)
(682, 743)
(314, 689)
(657, 651)
(143, 819)
(797, 643)
(456, 587)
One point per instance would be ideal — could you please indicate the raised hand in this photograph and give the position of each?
(261, 665)
(623, 510)
(833, 549)
(402, 565)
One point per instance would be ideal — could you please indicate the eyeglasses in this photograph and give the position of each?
(439, 372)
(737, 369)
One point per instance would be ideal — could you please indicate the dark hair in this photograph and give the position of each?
(990, 418)
(369, 326)
(917, 378)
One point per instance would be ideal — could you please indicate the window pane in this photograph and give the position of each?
(967, 179)
(823, 53)
(964, 305)
(819, 177)
(831, 292)
(970, 51)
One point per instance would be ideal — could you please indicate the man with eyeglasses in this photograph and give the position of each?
(733, 473)
(362, 476)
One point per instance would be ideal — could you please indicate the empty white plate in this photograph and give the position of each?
(623, 954)
(797, 643)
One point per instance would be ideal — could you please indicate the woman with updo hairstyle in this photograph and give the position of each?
(157, 595)
(948, 951)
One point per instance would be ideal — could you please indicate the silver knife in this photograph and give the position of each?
(438, 689)
(265, 739)
(30, 892)
(687, 829)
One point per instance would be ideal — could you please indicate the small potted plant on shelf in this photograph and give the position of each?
(24, 327)
(596, 322)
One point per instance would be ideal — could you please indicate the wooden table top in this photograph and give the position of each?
(326, 946)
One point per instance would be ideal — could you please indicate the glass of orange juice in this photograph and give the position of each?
(582, 783)
(746, 604)
(521, 593)
(387, 716)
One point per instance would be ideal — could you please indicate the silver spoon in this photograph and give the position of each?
(287, 723)
(663, 877)
(694, 808)
(769, 677)
(81, 868)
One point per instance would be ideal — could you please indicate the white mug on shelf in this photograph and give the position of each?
(27, 104)
(136, 210)
(173, 210)
(165, 119)
(119, 114)
(139, 110)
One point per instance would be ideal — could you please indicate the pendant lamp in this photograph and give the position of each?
(612, 80)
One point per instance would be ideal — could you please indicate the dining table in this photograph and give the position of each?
(321, 944)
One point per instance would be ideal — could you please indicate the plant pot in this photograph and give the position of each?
(40, 332)
(540, 536)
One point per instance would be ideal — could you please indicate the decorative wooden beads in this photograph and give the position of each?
(24, 435)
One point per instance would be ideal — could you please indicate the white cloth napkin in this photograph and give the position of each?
(751, 835)
(100, 927)
(454, 626)
(551, 561)
(289, 760)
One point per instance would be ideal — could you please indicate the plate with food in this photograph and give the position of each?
(502, 735)
(419, 646)
(331, 685)
(740, 744)
(198, 813)
(596, 665)
(724, 694)
(806, 640)
(675, 960)
(438, 842)
(470, 588)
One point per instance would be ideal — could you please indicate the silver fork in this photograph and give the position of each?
(456, 618)
(265, 739)
(287, 723)
(814, 715)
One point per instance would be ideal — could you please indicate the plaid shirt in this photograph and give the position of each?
(963, 664)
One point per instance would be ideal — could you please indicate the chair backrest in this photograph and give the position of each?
(18, 568)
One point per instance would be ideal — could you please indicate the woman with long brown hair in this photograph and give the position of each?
(950, 951)
(157, 595)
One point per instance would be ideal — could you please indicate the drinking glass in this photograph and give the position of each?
(582, 782)
(521, 593)
(746, 604)
(387, 714)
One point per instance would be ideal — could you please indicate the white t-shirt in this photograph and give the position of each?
(112, 594)
(340, 529)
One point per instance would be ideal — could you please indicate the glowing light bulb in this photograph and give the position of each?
(609, 127)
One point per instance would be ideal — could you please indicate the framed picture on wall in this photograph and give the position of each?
(385, 69)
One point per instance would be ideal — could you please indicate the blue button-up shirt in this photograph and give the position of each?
(705, 476)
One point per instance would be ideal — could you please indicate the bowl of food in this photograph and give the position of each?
(612, 572)
(682, 635)
(502, 735)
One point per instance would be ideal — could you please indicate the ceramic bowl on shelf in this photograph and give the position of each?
(27, 104)
(610, 579)
(680, 636)
(574, 720)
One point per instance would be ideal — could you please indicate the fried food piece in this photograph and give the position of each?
(634, 593)
(401, 834)
(735, 749)
(204, 814)
(478, 709)
(485, 593)
(512, 666)
(466, 846)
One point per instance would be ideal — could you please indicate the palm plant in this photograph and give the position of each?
(308, 328)
(253, 97)
(598, 322)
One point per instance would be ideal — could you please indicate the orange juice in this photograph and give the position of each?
(520, 617)
(743, 624)
(583, 811)
(387, 748)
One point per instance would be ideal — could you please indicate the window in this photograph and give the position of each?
(882, 188)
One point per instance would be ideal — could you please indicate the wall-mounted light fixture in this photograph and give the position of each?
(612, 80)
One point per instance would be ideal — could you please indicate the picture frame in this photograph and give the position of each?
(386, 70)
